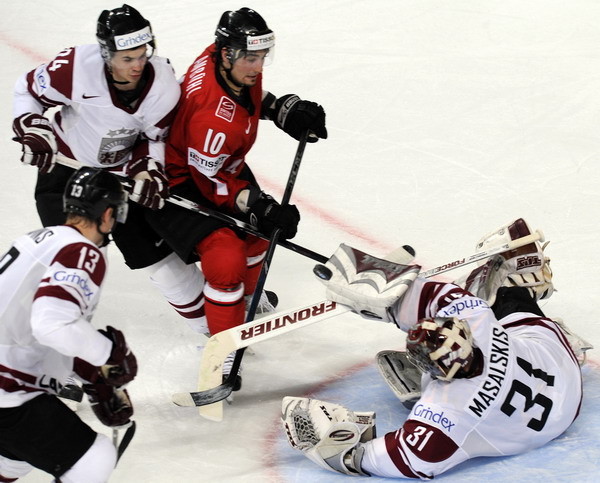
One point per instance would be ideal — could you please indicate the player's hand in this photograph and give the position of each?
(295, 116)
(267, 215)
(121, 367)
(150, 184)
(37, 139)
(111, 406)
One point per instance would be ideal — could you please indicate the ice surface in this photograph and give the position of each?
(446, 120)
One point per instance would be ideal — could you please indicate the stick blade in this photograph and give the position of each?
(183, 399)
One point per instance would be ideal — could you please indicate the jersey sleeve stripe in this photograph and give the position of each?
(28, 378)
(397, 455)
(56, 292)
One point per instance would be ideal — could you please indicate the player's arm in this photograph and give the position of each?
(48, 85)
(69, 290)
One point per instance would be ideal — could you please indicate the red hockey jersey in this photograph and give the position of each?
(211, 134)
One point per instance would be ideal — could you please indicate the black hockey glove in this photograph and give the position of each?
(150, 183)
(120, 368)
(267, 215)
(111, 406)
(37, 139)
(294, 116)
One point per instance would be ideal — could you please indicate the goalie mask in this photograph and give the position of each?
(441, 346)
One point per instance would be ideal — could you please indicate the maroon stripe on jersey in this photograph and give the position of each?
(547, 324)
(18, 374)
(49, 102)
(429, 291)
(62, 147)
(10, 385)
(61, 72)
(167, 120)
(191, 304)
(83, 256)
(56, 292)
(397, 455)
(427, 442)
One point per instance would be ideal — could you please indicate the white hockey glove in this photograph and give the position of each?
(37, 139)
(403, 377)
(371, 286)
(328, 434)
(523, 267)
(151, 186)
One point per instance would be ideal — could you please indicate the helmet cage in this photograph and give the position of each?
(440, 346)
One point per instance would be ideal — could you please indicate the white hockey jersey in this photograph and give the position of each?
(528, 394)
(92, 126)
(50, 282)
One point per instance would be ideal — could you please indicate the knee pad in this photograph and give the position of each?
(96, 465)
(223, 259)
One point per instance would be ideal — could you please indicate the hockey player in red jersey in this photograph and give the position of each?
(498, 376)
(50, 280)
(215, 127)
(116, 103)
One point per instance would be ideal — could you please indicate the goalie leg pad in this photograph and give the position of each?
(401, 375)
(369, 285)
(328, 434)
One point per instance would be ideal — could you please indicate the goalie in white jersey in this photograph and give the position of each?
(50, 281)
(115, 103)
(497, 380)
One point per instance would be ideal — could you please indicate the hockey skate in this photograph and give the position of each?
(227, 366)
(266, 305)
(523, 267)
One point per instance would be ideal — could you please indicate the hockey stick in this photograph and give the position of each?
(127, 437)
(203, 210)
(223, 343)
(206, 380)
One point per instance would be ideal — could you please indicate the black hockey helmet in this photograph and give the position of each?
(123, 28)
(90, 191)
(245, 30)
(441, 346)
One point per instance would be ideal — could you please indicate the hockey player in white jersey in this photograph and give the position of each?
(498, 379)
(115, 102)
(50, 280)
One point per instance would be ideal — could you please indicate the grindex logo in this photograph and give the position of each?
(286, 320)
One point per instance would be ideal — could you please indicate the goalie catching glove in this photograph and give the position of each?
(369, 285)
(150, 185)
(37, 139)
(328, 434)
